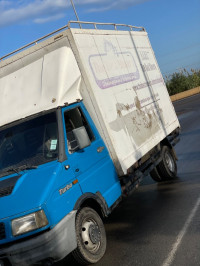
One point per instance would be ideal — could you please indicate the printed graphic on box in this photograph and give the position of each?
(109, 70)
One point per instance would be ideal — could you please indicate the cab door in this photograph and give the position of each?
(91, 162)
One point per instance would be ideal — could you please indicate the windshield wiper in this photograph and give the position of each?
(21, 168)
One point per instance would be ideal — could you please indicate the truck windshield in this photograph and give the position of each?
(29, 143)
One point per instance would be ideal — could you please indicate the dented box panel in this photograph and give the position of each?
(131, 105)
(35, 83)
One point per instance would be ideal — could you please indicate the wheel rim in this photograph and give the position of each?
(170, 162)
(91, 235)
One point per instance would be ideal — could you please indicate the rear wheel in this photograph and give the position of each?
(155, 175)
(167, 168)
(91, 237)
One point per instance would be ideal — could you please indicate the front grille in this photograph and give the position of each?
(2, 231)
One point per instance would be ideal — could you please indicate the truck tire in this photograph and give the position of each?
(155, 175)
(91, 237)
(167, 168)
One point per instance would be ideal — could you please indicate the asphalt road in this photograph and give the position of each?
(159, 224)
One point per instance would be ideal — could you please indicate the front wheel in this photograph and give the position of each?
(91, 237)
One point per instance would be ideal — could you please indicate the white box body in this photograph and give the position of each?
(116, 75)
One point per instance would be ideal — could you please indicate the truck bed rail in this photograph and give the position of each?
(33, 43)
(94, 24)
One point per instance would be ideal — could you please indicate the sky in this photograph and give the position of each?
(173, 26)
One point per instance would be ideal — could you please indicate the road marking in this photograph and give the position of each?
(180, 236)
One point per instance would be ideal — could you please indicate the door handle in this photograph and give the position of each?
(100, 149)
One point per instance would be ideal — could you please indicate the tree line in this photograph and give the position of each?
(182, 81)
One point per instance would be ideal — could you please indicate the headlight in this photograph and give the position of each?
(29, 223)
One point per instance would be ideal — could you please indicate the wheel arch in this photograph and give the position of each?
(166, 142)
(94, 201)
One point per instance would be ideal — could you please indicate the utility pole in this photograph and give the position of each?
(76, 13)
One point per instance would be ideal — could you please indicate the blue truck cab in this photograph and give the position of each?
(46, 176)
(82, 122)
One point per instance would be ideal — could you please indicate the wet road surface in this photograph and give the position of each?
(159, 224)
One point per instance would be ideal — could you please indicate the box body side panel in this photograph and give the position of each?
(128, 98)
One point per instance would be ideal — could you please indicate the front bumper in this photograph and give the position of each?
(54, 244)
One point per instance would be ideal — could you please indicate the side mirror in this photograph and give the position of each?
(73, 143)
(82, 137)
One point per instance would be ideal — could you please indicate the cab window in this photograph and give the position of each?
(78, 131)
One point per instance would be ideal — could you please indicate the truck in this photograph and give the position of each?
(85, 115)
